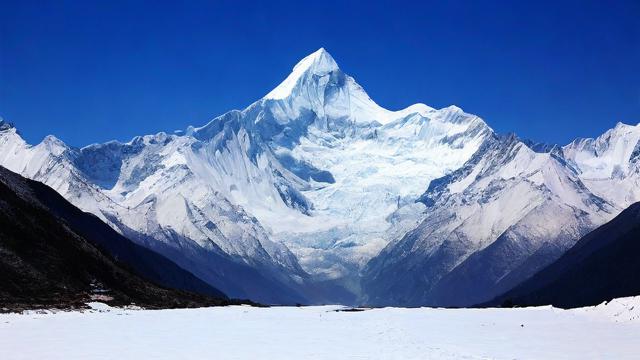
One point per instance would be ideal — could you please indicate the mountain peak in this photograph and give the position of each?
(4, 125)
(319, 63)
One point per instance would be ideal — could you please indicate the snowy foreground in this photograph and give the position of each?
(606, 331)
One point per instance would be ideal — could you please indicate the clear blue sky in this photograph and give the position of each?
(91, 71)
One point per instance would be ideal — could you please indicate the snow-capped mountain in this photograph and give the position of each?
(610, 164)
(507, 213)
(291, 198)
(315, 166)
(146, 190)
(355, 163)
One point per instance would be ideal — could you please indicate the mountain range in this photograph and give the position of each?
(316, 194)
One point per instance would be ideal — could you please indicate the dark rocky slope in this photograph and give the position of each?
(603, 265)
(52, 254)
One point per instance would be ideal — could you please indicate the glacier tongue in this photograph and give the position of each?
(377, 169)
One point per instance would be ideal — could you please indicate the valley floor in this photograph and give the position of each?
(241, 332)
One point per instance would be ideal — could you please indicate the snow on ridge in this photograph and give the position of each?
(353, 97)
(319, 62)
(608, 164)
(5, 125)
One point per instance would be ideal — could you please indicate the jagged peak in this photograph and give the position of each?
(53, 141)
(452, 108)
(621, 125)
(418, 108)
(540, 147)
(618, 130)
(319, 62)
(5, 125)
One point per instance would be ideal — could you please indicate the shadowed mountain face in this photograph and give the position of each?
(601, 266)
(52, 254)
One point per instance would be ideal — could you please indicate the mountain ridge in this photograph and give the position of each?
(51, 254)
(599, 267)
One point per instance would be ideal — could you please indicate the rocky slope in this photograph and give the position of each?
(601, 266)
(48, 261)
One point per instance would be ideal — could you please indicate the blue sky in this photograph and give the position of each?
(92, 71)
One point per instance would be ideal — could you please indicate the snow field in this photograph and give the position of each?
(240, 332)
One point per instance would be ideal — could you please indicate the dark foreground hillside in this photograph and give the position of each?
(603, 265)
(52, 254)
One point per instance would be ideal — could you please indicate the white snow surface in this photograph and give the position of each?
(241, 332)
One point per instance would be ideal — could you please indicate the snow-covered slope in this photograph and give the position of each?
(358, 163)
(346, 163)
(609, 165)
(146, 190)
(505, 214)
(607, 331)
